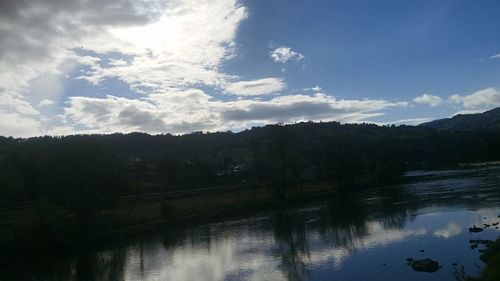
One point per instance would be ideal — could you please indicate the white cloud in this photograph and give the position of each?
(258, 87)
(37, 36)
(429, 100)
(36, 39)
(14, 102)
(45, 103)
(483, 99)
(468, 111)
(182, 111)
(169, 44)
(17, 125)
(162, 49)
(314, 89)
(112, 114)
(297, 108)
(411, 122)
(183, 48)
(177, 111)
(497, 56)
(285, 54)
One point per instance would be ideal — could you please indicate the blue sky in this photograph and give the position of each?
(177, 66)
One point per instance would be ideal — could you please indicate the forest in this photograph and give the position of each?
(72, 188)
(90, 171)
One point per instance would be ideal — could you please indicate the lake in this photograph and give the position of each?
(364, 236)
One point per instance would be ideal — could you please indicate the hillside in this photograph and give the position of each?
(106, 166)
(489, 120)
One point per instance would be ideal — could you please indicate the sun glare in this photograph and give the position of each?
(163, 35)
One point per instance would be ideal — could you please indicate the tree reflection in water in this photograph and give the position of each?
(337, 225)
(291, 240)
(283, 244)
(103, 266)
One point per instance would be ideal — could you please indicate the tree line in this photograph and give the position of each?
(87, 172)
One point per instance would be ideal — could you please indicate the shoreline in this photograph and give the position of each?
(491, 257)
(58, 233)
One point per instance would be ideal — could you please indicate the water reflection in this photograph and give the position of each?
(292, 245)
(106, 265)
(452, 229)
(374, 231)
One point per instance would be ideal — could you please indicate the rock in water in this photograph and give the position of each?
(475, 229)
(425, 265)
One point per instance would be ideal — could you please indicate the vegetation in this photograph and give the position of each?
(492, 259)
(72, 189)
(489, 120)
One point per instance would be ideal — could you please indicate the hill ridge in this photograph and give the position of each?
(488, 120)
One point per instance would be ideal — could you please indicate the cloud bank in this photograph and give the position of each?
(193, 110)
(483, 99)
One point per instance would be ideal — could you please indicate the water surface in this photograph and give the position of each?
(367, 236)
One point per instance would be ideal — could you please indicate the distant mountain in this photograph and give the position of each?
(489, 120)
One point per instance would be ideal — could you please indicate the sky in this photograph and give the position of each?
(180, 66)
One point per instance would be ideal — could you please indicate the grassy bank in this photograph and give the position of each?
(491, 257)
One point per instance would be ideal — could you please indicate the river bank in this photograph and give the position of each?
(45, 230)
(492, 259)
(318, 233)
